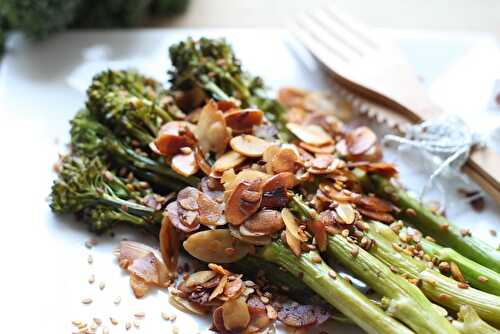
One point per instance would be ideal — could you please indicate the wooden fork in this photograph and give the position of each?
(372, 67)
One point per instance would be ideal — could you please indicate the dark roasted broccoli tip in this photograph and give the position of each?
(211, 65)
(39, 18)
(133, 106)
(88, 188)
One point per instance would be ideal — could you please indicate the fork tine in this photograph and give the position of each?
(342, 33)
(352, 25)
(327, 57)
(323, 37)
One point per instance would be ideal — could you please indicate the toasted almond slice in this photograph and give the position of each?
(185, 164)
(270, 152)
(199, 278)
(319, 231)
(310, 134)
(235, 314)
(291, 224)
(360, 140)
(138, 285)
(285, 180)
(201, 162)
(346, 213)
(255, 240)
(211, 130)
(243, 120)
(264, 222)
(234, 288)
(186, 306)
(248, 175)
(373, 203)
(228, 160)
(293, 243)
(292, 97)
(219, 288)
(243, 201)
(212, 245)
(168, 144)
(228, 178)
(325, 149)
(284, 161)
(169, 244)
(249, 145)
(210, 212)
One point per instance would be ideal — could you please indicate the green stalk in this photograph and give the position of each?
(437, 226)
(337, 291)
(471, 323)
(439, 288)
(406, 302)
(477, 275)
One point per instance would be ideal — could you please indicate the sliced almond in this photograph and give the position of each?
(235, 314)
(320, 235)
(360, 140)
(169, 244)
(243, 120)
(186, 306)
(248, 175)
(346, 213)
(139, 287)
(228, 178)
(310, 134)
(169, 145)
(243, 201)
(201, 162)
(325, 149)
(270, 152)
(172, 211)
(292, 97)
(292, 225)
(249, 145)
(293, 243)
(199, 277)
(212, 245)
(210, 212)
(284, 161)
(252, 240)
(374, 204)
(234, 288)
(211, 130)
(264, 222)
(219, 288)
(228, 160)
(185, 164)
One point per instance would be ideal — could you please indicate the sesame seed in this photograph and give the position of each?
(90, 243)
(465, 232)
(118, 300)
(462, 285)
(105, 330)
(167, 316)
(493, 233)
(355, 251)
(87, 301)
(410, 212)
(128, 325)
(76, 322)
(97, 321)
(90, 259)
(136, 324)
(482, 279)
(102, 285)
(91, 279)
(264, 299)
(140, 315)
(332, 274)
(186, 150)
(316, 259)
(113, 321)
(443, 297)
(445, 227)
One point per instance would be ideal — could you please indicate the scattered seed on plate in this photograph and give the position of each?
(128, 325)
(90, 259)
(76, 322)
(102, 285)
(92, 279)
(168, 317)
(87, 301)
(140, 315)
(113, 321)
(90, 243)
(97, 321)
(332, 274)
(136, 324)
(105, 330)
(118, 300)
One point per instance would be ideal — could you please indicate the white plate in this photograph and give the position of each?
(44, 261)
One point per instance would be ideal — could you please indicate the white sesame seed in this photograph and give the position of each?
(102, 285)
(90, 259)
(92, 279)
(118, 300)
(87, 301)
(113, 321)
(140, 315)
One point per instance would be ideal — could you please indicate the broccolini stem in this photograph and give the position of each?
(436, 226)
(472, 324)
(439, 288)
(406, 302)
(336, 290)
